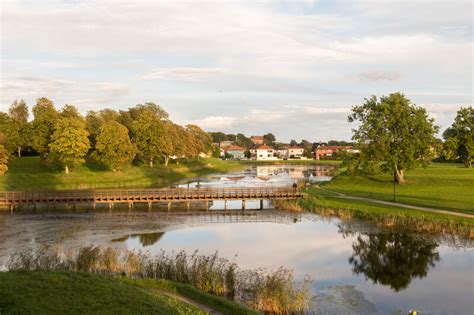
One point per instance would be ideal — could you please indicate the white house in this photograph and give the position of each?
(294, 152)
(264, 152)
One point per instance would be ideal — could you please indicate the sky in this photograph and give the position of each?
(293, 68)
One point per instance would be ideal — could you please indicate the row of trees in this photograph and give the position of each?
(395, 136)
(108, 137)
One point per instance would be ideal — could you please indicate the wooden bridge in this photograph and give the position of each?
(14, 199)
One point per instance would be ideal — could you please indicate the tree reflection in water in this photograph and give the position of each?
(150, 238)
(393, 259)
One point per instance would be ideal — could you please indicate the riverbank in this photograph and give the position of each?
(444, 186)
(34, 292)
(29, 173)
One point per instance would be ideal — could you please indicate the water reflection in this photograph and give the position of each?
(274, 175)
(393, 259)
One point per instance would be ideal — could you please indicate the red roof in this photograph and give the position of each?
(235, 148)
(264, 147)
(334, 147)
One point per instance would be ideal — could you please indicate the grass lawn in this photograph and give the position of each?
(447, 186)
(42, 292)
(47, 292)
(29, 173)
(325, 203)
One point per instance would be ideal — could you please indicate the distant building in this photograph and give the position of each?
(225, 144)
(325, 151)
(236, 152)
(264, 152)
(257, 139)
(294, 152)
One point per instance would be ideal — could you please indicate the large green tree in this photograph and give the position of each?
(11, 133)
(69, 142)
(149, 135)
(113, 148)
(19, 114)
(202, 142)
(393, 135)
(42, 126)
(459, 137)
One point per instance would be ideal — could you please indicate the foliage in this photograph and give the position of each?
(460, 137)
(202, 142)
(3, 160)
(113, 147)
(69, 142)
(269, 139)
(42, 126)
(18, 112)
(393, 136)
(11, 133)
(149, 135)
(218, 137)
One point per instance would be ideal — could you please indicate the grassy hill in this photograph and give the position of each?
(447, 186)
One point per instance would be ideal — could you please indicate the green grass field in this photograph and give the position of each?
(29, 173)
(46, 292)
(442, 185)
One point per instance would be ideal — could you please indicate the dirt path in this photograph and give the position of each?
(186, 300)
(398, 204)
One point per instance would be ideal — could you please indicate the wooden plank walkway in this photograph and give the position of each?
(111, 196)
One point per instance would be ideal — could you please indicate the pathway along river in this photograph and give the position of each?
(357, 268)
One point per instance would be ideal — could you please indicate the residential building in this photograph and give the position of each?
(264, 152)
(294, 152)
(236, 152)
(257, 139)
(331, 151)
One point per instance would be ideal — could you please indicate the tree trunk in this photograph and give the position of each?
(151, 162)
(167, 159)
(66, 169)
(400, 176)
(468, 164)
(19, 151)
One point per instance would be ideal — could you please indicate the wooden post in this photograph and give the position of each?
(261, 204)
(225, 204)
(11, 209)
(243, 204)
(130, 206)
(169, 205)
(187, 205)
(150, 204)
(110, 206)
(207, 205)
(93, 206)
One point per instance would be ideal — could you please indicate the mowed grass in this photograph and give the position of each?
(43, 292)
(447, 186)
(29, 173)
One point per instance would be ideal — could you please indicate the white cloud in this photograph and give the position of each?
(181, 73)
(379, 76)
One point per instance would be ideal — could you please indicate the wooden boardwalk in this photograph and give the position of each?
(131, 196)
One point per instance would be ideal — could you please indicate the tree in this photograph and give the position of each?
(69, 142)
(70, 111)
(3, 160)
(460, 137)
(243, 141)
(42, 126)
(11, 133)
(95, 119)
(218, 137)
(202, 142)
(150, 137)
(19, 114)
(269, 139)
(393, 136)
(113, 148)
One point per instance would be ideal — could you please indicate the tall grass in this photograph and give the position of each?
(272, 292)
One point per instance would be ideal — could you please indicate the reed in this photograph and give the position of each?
(273, 292)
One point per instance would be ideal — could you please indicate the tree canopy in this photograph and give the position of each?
(113, 147)
(459, 137)
(393, 135)
(69, 142)
(42, 126)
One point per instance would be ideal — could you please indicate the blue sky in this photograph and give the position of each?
(293, 68)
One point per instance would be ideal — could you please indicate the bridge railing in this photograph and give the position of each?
(151, 194)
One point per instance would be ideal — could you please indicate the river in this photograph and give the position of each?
(357, 268)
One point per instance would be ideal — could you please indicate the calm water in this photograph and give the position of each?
(357, 268)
